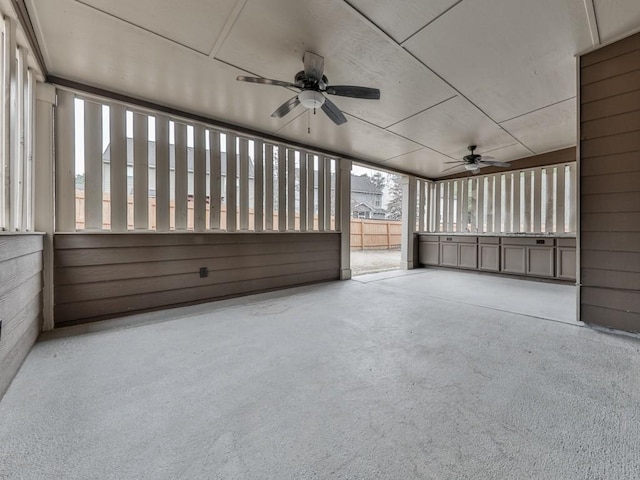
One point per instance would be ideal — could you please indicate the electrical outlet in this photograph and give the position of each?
(204, 272)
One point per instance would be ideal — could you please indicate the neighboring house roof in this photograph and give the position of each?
(151, 148)
(362, 183)
(364, 207)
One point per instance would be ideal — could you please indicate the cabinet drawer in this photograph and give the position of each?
(548, 242)
(457, 239)
(489, 240)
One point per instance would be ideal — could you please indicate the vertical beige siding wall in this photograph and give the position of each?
(610, 185)
(108, 275)
(20, 301)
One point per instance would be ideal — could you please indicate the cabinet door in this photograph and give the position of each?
(490, 257)
(566, 263)
(540, 261)
(513, 258)
(468, 255)
(449, 254)
(429, 253)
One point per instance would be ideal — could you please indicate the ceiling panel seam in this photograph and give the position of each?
(429, 23)
(375, 26)
(538, 109)
(417, 143)
(421, 111)
(414, 151)
(135, 25)
(226, 29)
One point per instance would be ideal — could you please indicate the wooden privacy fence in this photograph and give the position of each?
(365, 234)
(375, 234)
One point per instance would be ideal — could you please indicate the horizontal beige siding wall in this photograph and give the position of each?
(107, 275)
(610, 185)
(20, 301)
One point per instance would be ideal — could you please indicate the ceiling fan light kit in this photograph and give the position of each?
(313, 83)
(311, 99)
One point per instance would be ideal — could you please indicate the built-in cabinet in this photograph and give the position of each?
(547, 257)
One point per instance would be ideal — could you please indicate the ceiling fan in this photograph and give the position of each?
(474, 162)
(312, 84)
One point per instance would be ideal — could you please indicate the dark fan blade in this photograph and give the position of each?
(313, 67)
(355, 92)
(286, 107)
(266, 81)
(333, 112)
(456, 161)
(451, 168)
(494, 164)
(486, 157)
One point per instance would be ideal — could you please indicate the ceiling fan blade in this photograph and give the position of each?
(265, 81)
(451, 168)
(486, 157)
(333, 112)
(286, 107)
(456, 161)
(313, 66)
(355, 92)
(494, 164)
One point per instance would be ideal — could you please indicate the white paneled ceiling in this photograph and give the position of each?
(497, 73)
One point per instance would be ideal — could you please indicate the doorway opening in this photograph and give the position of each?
(376, 221)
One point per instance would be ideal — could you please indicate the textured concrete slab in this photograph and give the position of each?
(344, 380)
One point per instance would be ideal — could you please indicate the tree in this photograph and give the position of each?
(378, 179)
(394, 206)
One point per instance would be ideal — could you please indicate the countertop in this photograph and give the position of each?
(503, 234)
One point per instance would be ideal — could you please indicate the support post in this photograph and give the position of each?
(44, 191)
(408, 256)
(344, 211)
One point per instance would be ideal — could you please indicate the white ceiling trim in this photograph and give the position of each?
(593, 22)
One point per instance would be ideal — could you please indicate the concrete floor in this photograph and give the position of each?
(423, 375)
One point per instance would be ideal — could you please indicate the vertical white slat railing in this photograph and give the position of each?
(560, 199)
(321, 193)
(508, 215)
(162, 174)
(548, 206)
(282, 188)
(9, 120)
(537, 199)
(19, 162)
(517, 199)
(328, 177)
(490, 202)
(65, 205)
(291, 189)
(420, 190)
(526, 199)
(304, 195)
(93, 171)
(438, 207)
(215, 181)
(140, 171)
(231, 197)
(268, 187)
(258, 197)
(244, 183)
(30, 127)
(199, 179)
(497, 203)
(180, 176)
(481, 190)
(311, 169)
(118, 182)
(572, 198)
